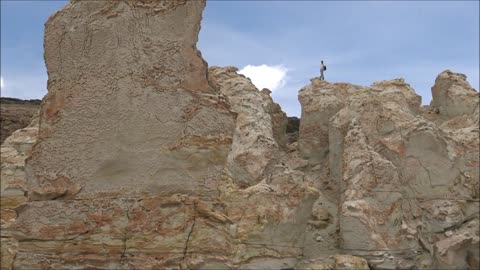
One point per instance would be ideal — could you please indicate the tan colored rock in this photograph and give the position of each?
(320, 101)
(413, 100)
(131, 166)
(279, 119)
(130, 112)
(254, 145)
(144, 161)
(350, 262)
(400, 177)
(453, 95)
(13, 153)
(460, 247)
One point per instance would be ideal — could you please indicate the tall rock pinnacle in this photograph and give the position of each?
(128, 102)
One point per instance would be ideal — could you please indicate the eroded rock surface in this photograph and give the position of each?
(453, 96)
(142, 158)
(255, 145)
(139, 163)
(403, 180)
(128, 97)
(13, 193)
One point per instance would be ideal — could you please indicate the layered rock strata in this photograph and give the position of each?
(260, 125)
(142, 158)
(13, 192)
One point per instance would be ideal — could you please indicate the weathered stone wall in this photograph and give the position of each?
(129, 109)
(136, 162)
(142, 158)
(407, 186)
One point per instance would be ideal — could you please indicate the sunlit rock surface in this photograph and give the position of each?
(142, 157)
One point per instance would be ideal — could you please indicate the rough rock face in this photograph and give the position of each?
(13, 151)
(139, 163)
(255, 145)
(134, 110)
(407, 188)
(279, 119)
(317, 109)
(453, 96)
(142, 158)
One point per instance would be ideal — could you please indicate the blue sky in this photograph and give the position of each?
(282, 43)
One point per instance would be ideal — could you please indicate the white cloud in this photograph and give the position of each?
(1, 83)
(264, 76)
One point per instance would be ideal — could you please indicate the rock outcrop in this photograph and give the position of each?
(453, 96)
(13, 192)
(144, 158)
(255, 145)
(279, 119)
(128, 96)
(406, 187)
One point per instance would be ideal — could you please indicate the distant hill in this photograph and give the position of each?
(7, 100)
(16, 114)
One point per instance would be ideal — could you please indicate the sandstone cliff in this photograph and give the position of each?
(141, 161)
(144, 158)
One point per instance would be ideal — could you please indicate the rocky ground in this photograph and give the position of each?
(166, 163)
(15, 114)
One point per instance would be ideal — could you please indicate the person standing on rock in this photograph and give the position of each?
(322, 69)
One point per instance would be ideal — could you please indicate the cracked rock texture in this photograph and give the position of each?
(255, 144)
(14, 150)
(141, 157)
(129, 109)
(143, 160)
(405, 179)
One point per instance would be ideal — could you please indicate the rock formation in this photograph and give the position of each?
(143, 162)
(453, 96)
(406, 187)
(143, 158)
(13, 151)
(128, 97)
(254, 142)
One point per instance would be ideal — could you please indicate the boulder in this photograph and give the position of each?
(13, 193)
(453, 96)
(350, 262)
